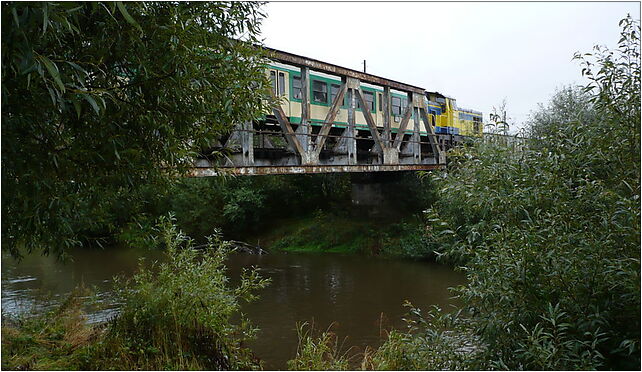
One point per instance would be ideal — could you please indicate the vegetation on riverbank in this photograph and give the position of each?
(549, 235)
(305, 213)
(326, 232)
(175, 315)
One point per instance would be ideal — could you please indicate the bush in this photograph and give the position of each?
(179, 314)
(549, 235)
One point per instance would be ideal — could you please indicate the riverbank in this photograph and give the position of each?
(324, 232)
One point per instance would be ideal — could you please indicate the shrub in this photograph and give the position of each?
(549, 235)
(179, 314)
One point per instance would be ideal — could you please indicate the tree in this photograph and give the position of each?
(99, 99)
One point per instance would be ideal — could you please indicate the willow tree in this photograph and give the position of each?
(99, 99)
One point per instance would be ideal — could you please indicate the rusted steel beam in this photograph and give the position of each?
(416, 146)
(308, 169)
(386, 116)
(351, 141)
(402, 126)
(329, 118)
(432, 137)
(247, 143)
(304, 128)
(365, 109)
(300, 61)
(286, 127)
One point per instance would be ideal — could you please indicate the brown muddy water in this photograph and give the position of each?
(356, 296)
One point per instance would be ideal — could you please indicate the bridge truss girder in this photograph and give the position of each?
(277, 146)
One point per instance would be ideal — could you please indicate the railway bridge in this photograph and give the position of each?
(279, 145)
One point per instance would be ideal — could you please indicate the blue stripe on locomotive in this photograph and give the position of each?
(446, 130)
(434, 110)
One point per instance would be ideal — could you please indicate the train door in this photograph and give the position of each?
(279, 80)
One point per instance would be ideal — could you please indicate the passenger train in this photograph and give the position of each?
(444, 114)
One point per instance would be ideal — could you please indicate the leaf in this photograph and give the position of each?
(127, 16)
(92, 102)
(45, 18)
(77, 107)
(53, 70)
(15, 17)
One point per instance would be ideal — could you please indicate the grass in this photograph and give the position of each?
(59, 339)
(331, 233)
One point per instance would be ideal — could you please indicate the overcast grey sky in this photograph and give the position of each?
(479, 53)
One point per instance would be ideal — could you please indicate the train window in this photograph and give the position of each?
(319, 91)
(334, 90)
(273, 80)
(380, 103)
(404, 103)
(369, 98)
(281, 83)
(396, 106)
(296, 87)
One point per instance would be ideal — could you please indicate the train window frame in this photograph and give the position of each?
(273, 81)
(319, 92)
(296, 89)
(281, 83)
(392, 106)
(367, 93)
(332, 95)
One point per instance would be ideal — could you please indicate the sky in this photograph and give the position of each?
(479, 53)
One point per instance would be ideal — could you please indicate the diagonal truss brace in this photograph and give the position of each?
(402, 126)
(371, 123)
(329, 118)
(286, 127)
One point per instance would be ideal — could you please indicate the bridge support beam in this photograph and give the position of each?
(350, 133)
(386, 119)
(247, 143)
(304, 130)
(416, 138)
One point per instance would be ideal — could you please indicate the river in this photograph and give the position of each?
(359, 296)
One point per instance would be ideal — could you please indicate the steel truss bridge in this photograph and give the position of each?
(277, 146)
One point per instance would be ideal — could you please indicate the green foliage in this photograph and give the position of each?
(322, 353)
(549, 235)
(100, 99)
(426, 344)
(434, 341)
(243, 205)
(55, 340)
(178, 315)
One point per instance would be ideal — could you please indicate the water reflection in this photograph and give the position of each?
(353, 293)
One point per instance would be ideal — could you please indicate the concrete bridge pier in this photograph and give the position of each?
(371, 193)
